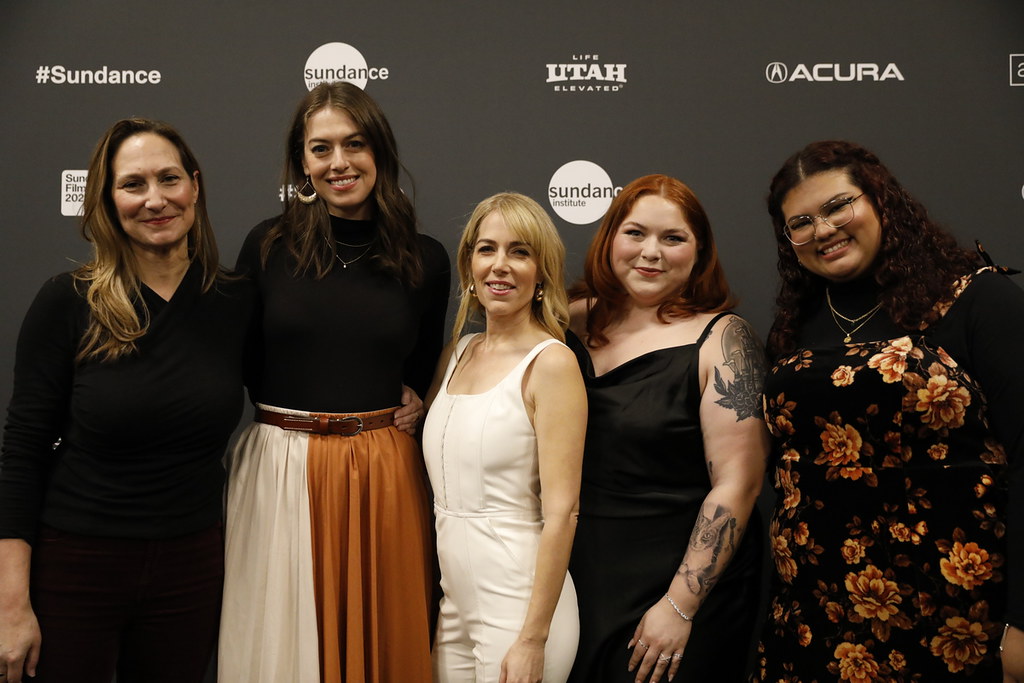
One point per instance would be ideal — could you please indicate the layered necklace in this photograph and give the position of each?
(857, 323)
(343, 262)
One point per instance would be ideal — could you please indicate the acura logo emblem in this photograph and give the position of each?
(776, 72)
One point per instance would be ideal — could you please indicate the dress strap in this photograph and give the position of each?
(462, 345)
(535, 351)
(707, 330)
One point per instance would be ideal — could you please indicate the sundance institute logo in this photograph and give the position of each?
(580, 192)
(586, 73)
(340, 62)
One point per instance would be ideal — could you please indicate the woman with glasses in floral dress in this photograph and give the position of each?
(895, 410)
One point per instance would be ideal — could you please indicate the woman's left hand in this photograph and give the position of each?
(523, 663)
(658, 643)
(1012, 653)
(408, 416)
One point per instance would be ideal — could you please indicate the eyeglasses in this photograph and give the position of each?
(836, 213)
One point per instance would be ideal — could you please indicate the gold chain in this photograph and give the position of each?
(858, 322)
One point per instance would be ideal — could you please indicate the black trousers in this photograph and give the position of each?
(148, 610)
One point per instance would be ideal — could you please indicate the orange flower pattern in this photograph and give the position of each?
(888, 536)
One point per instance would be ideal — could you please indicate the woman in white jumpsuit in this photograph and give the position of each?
(503, 443)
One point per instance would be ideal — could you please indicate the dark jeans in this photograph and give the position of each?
(148, 610)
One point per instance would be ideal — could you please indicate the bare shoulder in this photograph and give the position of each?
(730, 334)
(578, 316)
(735, 367)
(556, 359)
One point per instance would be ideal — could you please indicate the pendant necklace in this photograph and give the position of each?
(343, 262)
(857, 322)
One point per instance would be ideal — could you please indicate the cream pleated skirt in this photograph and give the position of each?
(328, 558)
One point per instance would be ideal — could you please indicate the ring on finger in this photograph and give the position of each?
(677, 655)
(664, 658)
(642, 644)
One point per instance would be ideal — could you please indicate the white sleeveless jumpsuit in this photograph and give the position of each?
(481, 455)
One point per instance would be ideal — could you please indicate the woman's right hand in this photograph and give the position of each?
(19, 643)
(19, 630)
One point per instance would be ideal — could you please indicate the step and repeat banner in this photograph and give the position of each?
(563, 101)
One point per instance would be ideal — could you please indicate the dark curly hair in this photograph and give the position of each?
(917, 264)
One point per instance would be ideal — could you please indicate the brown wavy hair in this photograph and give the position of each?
(111, 278)
(917, 263)
(706, 290)
(305, 229)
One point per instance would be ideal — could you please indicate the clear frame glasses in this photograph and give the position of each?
(836, 213)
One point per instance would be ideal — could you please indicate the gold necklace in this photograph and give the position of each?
(343, 262)
(346, 264)
(857, 322)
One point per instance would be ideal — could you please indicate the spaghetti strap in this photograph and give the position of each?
(707, 330)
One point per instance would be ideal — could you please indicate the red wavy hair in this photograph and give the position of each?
(706, 290)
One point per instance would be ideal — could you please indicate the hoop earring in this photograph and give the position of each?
(538, 294)
(472, 288)
(306, 198)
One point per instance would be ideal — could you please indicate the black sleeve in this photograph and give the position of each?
(39, 409)
(247, 265)
(989, 319)
(433, 295)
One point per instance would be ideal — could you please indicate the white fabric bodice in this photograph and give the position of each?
(481, 449)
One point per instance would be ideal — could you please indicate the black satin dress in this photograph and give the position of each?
(644, 481)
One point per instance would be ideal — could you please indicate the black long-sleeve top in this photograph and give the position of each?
(984, 333)
(349, 341)
(141, 438)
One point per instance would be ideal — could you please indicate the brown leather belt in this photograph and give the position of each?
(349, 425)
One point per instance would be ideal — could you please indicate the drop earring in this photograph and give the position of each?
(538, 293)
(306, 198)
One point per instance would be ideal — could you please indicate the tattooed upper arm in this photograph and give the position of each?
(742, 354)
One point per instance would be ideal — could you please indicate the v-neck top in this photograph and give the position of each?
(644, 436)
(141, 438)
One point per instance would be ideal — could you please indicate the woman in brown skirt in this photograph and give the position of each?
(328, 574)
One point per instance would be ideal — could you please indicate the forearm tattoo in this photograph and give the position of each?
(711, 537)
(744, 357)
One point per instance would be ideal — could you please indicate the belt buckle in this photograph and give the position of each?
(340, 421)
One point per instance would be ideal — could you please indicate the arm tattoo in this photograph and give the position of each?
(744, 357)
(710, 536)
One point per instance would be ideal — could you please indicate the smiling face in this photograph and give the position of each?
(339, 163)
(504, 270)
(836, 254)
(653, 251)
(153, 194)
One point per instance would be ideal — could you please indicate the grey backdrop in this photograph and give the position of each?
(468, 97)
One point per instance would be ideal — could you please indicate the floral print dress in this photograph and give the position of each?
(888, 532)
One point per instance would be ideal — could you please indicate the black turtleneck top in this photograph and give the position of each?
(349, 341)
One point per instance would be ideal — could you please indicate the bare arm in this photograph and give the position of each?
(557, 402)
(19, 631)
(735, 450)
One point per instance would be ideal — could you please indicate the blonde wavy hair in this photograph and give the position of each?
(111, 279)
(531, 225)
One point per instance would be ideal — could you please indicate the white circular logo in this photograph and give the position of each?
(335, 62)
(580, 192)
(776, 72)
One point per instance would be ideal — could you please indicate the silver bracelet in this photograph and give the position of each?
(681, 613)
